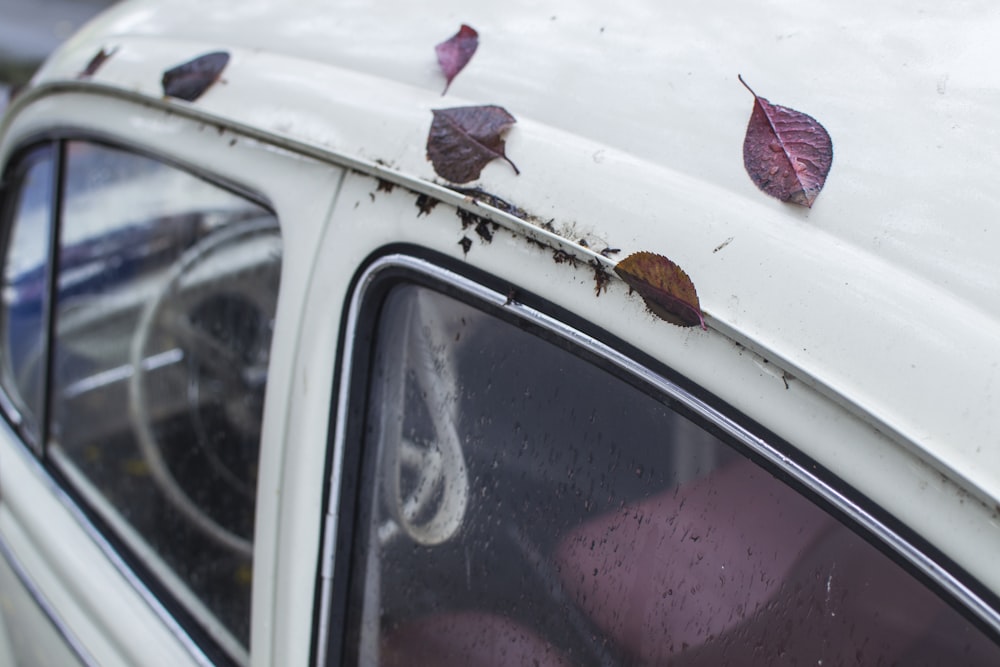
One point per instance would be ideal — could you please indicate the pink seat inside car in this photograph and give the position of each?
(738, 568)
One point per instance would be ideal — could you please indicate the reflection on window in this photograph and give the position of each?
(526, 507)
(25, 286)
(167, 287)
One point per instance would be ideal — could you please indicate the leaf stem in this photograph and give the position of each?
(740, 77)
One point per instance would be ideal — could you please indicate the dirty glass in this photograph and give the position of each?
(27, 221)
(523, 506)
(167, 288)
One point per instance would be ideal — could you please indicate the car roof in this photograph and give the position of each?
(630, 124)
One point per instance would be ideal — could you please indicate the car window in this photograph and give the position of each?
(25, 288)
(521, 504)
(165, 293)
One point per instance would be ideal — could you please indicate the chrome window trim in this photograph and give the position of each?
(939, 575)
(109, 551)
(74, 644)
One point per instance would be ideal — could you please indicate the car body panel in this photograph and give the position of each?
(862, 330)
(883, 294)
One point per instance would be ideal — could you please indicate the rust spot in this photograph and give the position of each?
(601, 277)
(466, 244)
(426, 204)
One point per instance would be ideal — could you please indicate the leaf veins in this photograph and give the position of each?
(189, 80)
(454, 53)
(463, 140)
(786, 152)
(664, 286)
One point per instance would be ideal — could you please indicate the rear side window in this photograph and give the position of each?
(521, 504)
(163, 294)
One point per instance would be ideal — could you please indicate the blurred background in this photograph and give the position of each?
(31, 29)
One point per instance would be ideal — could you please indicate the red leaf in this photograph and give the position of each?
(463, 140)
(95, 63)
(189, 80)
(664, 286)
(454, 54)
(787, 153)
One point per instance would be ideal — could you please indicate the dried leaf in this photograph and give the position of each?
(95, 63)
(189, 80)
(454, 54)
(463, 140)
(786, 152)
(666, 289)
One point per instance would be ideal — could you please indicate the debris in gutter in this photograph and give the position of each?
(426, 204)
(483, 230)
(562, 257)
(601, 277)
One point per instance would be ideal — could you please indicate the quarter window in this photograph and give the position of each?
(523, 505)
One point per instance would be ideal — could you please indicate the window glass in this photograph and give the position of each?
(25, 288)
(167, 288)
(524, 506)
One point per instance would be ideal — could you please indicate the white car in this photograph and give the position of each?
(503, 334)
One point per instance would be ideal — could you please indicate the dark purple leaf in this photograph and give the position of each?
(454, 53)
(189, 80)
(787, 153)
(463, 140)
(95, 63)
(664, 286)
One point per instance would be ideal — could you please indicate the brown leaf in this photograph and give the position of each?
(454, 54)
(189, 80)
(95, 63)
(463, 140)
(786, 152)
(666, 289)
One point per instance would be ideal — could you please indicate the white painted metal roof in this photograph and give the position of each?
(885, 295)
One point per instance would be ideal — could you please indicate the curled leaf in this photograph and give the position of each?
(95, 63)
(786, 152)
(463, 140)
(664, 286)
(189, 80)
(454, 53)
